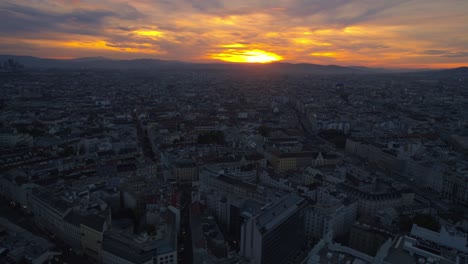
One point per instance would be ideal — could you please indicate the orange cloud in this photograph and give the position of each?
(324, 54)
(236, 45)
(355, 33)
(148, 33)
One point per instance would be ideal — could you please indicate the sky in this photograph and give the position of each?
(375, 33)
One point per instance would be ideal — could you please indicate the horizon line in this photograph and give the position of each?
(238, 63)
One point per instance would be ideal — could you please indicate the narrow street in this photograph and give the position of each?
(143, 140)
(185, 250)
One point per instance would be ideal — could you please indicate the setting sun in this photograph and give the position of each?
(247, 56)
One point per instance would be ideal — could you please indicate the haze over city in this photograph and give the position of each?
(376, 33)
(234, 132)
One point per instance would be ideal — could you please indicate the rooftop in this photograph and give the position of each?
(279, 211)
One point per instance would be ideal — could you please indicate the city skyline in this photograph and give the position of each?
(391, 34)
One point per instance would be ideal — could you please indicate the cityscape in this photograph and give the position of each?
(165, 152)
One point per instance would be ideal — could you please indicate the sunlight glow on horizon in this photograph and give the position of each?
(247, 56)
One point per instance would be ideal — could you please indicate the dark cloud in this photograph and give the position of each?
(434, 52)
(446, 53)
(19, 46)
(359, 46)
(342, 13)
(127, 45)
(456, 54)
(126, 29)
(301, 8)
(206, 5)
(18, 19)
(373, 11)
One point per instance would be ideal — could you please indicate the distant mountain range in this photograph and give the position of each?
(141, 64)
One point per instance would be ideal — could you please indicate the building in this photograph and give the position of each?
(327, 252)
(375, 153)
(10, 138)
(288, 161)
(274, 234)
(369, 203)
(323, 217)
(73, 219)
(230, 185)
(16, 188)
(185, 172)
(126, 248)
(208, 243)
(445, 246)
(367, 238)
(18, 245)
(92, 228)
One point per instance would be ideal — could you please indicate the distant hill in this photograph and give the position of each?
(99, 58)
(105, 63)
(461, 72)
(456, 71)
(83, 63)
(384, 70)
(141, 64)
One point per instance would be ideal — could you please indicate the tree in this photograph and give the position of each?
(82, 150)
(335, 136)
(427, 221)
(264, 131)
(422, 220)
(150, 229)
(212, 137)
(68, 151)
